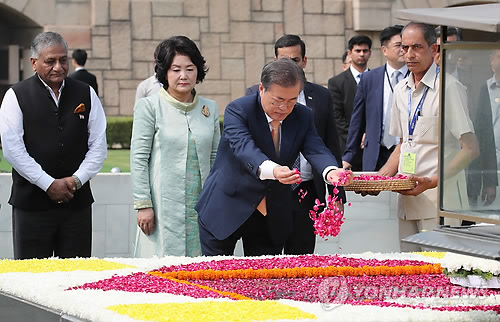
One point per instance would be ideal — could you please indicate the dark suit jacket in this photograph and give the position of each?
(84, 76)
(367, 117)
(342, 89)
(233, 189)
(483, 170)
(319, 100)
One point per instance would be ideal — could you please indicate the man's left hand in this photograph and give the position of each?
(423, 183)
(334, 175)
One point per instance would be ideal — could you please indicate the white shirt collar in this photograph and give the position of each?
(302, 98)
(52, 94)
(429, 78)
(355, 72)
(403, 70)
(79, 68)
(492, 81)
(49, 88)
(269, 119)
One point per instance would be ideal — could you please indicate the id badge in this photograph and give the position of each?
(409, 162)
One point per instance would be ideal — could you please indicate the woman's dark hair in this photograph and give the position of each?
(178, 45)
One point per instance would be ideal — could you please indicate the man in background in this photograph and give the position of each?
(79, 59)
(150, 85)
(372, 106)
(346, 60)
(343, 89)
(483, 178)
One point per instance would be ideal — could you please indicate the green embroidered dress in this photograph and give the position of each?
(173, 147)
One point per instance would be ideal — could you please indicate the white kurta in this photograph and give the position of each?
(164, 132)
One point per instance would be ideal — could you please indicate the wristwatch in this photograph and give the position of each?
(77, 182)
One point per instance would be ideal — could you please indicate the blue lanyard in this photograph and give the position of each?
(412, 121)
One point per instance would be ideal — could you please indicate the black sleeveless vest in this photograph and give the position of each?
(57, 138)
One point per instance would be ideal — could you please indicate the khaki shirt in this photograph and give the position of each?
(426, 139)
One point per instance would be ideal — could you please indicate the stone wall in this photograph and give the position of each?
(235, 36)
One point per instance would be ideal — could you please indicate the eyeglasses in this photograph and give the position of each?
(281, 104)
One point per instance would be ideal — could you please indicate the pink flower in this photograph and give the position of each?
(328, 222)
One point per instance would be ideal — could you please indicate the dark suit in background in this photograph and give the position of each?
(302, 239)
(342, 90)
(233, 189)
(84, 76)
(482, 172)
(367, 117)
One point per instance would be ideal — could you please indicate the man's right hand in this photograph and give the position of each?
(488, 196)
(286, 176)
(59, 191)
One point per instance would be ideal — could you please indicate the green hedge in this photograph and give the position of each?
(119, 131)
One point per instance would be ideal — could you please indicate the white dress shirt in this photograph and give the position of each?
(267, 167)
(14, 149)
(494, 92)
(356, 74)
(387, 94)
(306, 173)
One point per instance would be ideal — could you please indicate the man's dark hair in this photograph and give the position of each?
(359, 40)
(290, 41)
(389, 32)
(178, 45)
(80, 56)
(450, 31)
(344, 56)
(427, 30)
(283, 72)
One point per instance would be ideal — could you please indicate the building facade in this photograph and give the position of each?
(236, 37)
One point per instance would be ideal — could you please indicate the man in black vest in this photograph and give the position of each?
(79, 59)
(53, 134)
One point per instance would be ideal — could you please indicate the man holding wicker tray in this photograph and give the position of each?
(415, 119)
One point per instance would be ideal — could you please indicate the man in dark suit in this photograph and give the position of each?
(482, 181)
(370, 120)
(247, 194)
(343, 88)
(79, 59)
(302, 239)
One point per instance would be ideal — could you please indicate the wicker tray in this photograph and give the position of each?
(381, 185)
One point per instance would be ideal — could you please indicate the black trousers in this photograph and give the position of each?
(302, 239)
(61, 232)
(254, 234)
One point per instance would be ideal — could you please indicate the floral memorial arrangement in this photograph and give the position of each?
(369, 286)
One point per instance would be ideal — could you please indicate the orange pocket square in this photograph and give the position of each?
(80, 108)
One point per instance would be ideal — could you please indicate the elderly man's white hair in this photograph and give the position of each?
(44, 40)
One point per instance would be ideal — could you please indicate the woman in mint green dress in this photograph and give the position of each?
(174, 140)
